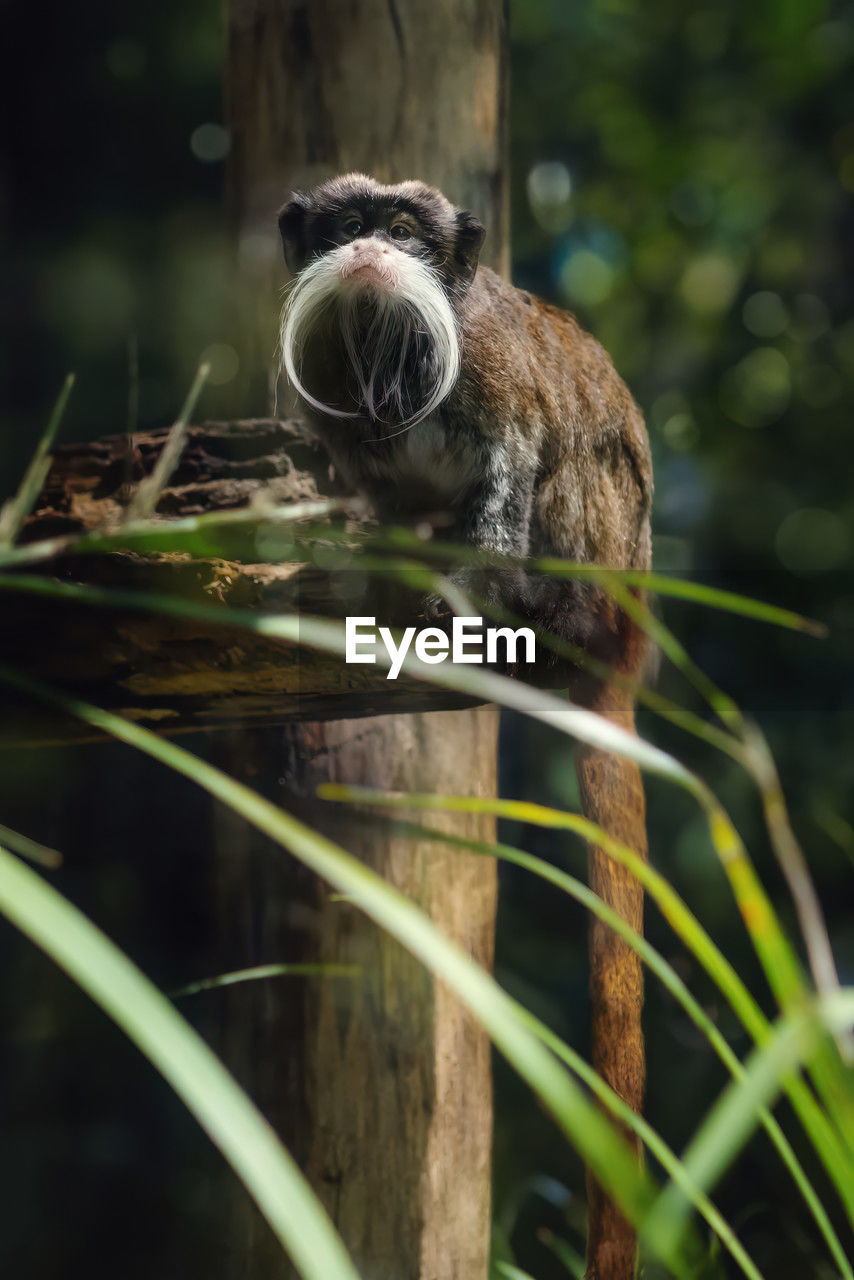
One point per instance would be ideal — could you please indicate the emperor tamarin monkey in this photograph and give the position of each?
(435, 385)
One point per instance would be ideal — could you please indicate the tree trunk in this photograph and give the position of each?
(381, 1082)
(392, 88)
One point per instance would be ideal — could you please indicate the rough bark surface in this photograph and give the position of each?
(395, 1117)
(396, 90)
(174, 674)
(380, 1082)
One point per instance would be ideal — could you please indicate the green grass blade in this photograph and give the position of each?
(831, 1066)
(177, 535)
(179, 1053)
(655, 1144)
(778, 960)
(673, 983)
(30, 849)
(117, 598)
(259, 972)
(505, 1021)
(215, 534)
(506, 1271)
(565, 1253)
(777, 956)
(735, 1114)
(721, 703)
(401, 539)
(781, 966)
(727, 602)
(824, 1137)
(319, 633)
(656, 963)
(149, 490)
(639, 691)
(793, 864)
(15, 511)
(836, 829)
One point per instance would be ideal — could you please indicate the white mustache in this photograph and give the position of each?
(407, 305)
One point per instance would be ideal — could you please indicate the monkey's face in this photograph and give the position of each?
(369, 328)
(412, 218)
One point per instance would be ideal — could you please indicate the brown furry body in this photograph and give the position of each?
(538, 399)
(539, 450)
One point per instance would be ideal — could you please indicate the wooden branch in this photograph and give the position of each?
(174, 674)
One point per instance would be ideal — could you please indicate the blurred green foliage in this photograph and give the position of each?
(682, 178)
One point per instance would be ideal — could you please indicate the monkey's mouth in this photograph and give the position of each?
(365, 272)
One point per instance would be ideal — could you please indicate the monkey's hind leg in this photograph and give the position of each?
(612, 797)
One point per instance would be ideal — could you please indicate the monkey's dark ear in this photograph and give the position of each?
(292, 228)
(470, 233)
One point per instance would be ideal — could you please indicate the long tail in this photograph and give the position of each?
(612, 796)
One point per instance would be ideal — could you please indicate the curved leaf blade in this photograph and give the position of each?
(192, 1069)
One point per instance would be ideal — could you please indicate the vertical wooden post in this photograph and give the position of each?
(393, 88)
(381, 1084)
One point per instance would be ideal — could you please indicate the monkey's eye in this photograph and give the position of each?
(353, 227)
(400, 232)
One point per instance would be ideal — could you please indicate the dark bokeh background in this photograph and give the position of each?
(682, 179)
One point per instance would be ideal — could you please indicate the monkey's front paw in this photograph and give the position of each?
(466, 588)
(491, 591)
(437, 609)
(470, 591)
(463, 595)
(466, 592)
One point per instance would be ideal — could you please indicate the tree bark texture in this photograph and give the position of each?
(394, 88)
(174, 674)
(394, 1114)
(380, 1082)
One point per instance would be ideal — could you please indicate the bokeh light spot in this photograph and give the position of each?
(587, 278)
(210, 142)
(666, 406)
(549, 186)
(764, 314)
(224, 363)
(756, 391)
(681, 432)
(709, 283)
(549, 183)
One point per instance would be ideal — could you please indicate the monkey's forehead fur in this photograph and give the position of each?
(308, 220)
(360, 190)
